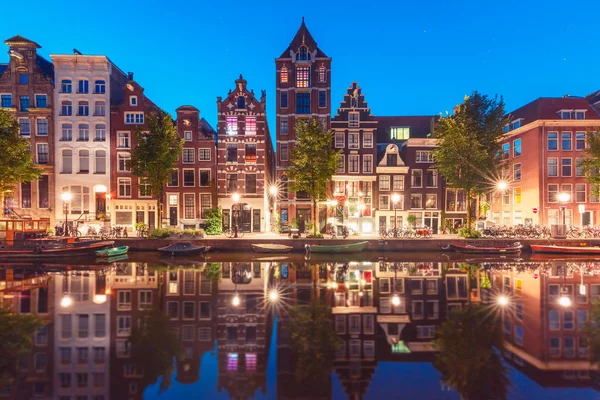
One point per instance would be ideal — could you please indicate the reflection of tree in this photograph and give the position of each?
(593, 333)
(467, 359)
(154, 347)
(213, 271)
(313, 341)
(16, 338)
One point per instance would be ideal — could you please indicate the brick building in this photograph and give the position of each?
(303, 86)
(541, 151)
(26, 90)
(243, 158)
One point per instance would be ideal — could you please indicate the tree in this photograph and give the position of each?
(16, 160)
(468, 359)
(16, 338)
(468, 146)
(592, 331)
(591, 164)
(313, 162)
(156, 153)
(214, 223)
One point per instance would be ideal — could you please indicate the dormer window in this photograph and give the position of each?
(241, 102)
(400, 132)
(516, 124)
(284, 74)
(133, 100)
(565, 114)
(579, 114)
(506, 128)
(302, 54)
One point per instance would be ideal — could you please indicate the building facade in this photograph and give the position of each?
(26, 90)
(303, 86)
(87, 86)
(243, 164)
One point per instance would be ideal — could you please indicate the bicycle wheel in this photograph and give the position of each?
(240, 234)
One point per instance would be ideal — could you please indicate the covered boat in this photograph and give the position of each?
(183, 249)
(54, 247)
(537, 248)
(271, 248)
(112, 252)
(513, 249)
(339, 248)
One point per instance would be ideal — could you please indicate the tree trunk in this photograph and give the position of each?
(314, 216)
(159, 210)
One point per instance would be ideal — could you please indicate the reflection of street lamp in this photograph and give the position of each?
(395, 297)
(563, 198)
(66, 197)
(236, 300)
(66, 300)
(395, 200)
(236, 198)
(502, 300)
(564, 301)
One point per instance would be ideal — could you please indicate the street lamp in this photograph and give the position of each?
(66, 198)
(273, 190)
(502, 186)
(273, 295)
(395, 200)
(236, 198)
(563, 198)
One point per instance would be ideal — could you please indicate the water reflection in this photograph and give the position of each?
(125, 327)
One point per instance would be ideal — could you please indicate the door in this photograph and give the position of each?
(100, 202)
(139, 216)
(303, 218)
(245, 218)
(151, 219)
(173, 215)
(322, 218)
(586, 218)
(226, 219)
(256, 220)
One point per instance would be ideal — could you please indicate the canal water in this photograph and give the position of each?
(249, 326)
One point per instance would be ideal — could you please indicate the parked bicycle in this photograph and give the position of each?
(230, 233)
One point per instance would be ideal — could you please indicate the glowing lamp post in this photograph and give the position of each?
(563, 198)
(66, 198)
(502, 186)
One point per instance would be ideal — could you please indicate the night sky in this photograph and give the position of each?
(410, 58)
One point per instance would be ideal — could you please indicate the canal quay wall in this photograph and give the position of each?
(375, 245)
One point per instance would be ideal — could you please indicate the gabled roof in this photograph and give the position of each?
(21, 41)
(420, 126)
(548, 107)
(303, 36)
(206, 128)
(187, 108)
(46, 67)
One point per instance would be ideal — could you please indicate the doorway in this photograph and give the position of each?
(173, 215)
(100, 202)
(256, 220)
(303, 218)
(151, 220)
(586, 218)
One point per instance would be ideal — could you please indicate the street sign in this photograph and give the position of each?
(535, 210)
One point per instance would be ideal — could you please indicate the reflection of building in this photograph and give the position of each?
(26, 90)
(542, 338)
(244, 158)
(25, 291)
(244, 328)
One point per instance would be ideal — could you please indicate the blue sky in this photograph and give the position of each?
(410, 58)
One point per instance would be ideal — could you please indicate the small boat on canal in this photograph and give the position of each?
(515, 248)
(339, 248)
(112, 252)
(575, 250)
(271, 248)
(54, 247)
(183, 249)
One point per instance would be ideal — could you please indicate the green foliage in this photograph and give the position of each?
(156, 153)
(213, 271)
(484, 207)
(411, 219)
(313, 161)
(468, 146)
(158, 233)
(140, 226)
(592, 331)
(591, 164)
(16, 338)
(294, 223)
(154, 347)
(162, 233)
(16, 162)
(469, 233)
(214, 224)
(468, 360)
(313, 341)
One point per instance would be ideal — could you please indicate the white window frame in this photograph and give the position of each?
(357, 157)
(353, 123)
(209, 154)
(366, 145)
(124, 196)
(188, 151)
(187, 136)
(340, 144)
(365, 158)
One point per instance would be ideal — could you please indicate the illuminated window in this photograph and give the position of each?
(322, 74)
(284, 74)
(250, 125)
(232, 361)
(399, 133)
(303, 77)
(250, 361)
(517, 196)
(232, 125)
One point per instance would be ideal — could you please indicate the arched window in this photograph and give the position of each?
(66, 86)
(302, 54)
(67, 161)
(83, 108)
(241, 102)
(99, 87)
(100, 162)
(84, 133)
(100, 133)
(66, 108)
(284, 187)
(284, 74)
(67, 132)
(84, 161)
(100, 108)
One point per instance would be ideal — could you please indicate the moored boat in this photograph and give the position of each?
(271, 248)
(183, 249)
(340, 248)
(537, 248)
(514, 249)
(54, 247)
(113, 251)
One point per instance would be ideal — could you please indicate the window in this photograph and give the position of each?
(353, 119)
(82, 379)
(98, 379)
(519, 335)
(82, 355)
(416, 201)
(283, 152)
(579, 114)
(123, 141)
(123, 162)
(552, 141)
(188, 156)
(41, 101)
(144, 187)
(367, 164)
(341, 165)
(100, 133)
(517, 148)
(251, 183)
(84, 133)
(6, 101)
(566, 167)
(553, 320)
(302, 103)
(43, 195)
(99, 108)
(505, 151)
(339, 140)
(145, 300)
(399, 133)
(284, 125)
(25, 194)
(554, 346)
(384, 202)
(283, 74)
(579, 171)
(398, 183)
(322, 74)
(517, 172)
(582, 319)
(83, 86)
(134, 118)
(579, 141)
(65, 379)
(99, 355)
(66, 108)
(205, 203)
(204, 154)
(384, 182)
(232, 125)
(204, 335)
(241, 102)
(189, 177)
(67, 161)
(368, 140)
(517, 196)
(353, 163)
(99, 87)
(431, 201)
(353, 140)
(566, 142)
(250, 125)
(25, 125)
(568, 320)
(66, 86)
(422, 156)
(232, 152)
(124, 187)
(251, 153)
(552, 193)
(417, 178)
(431, 178)
(204, 177)
(174, 179)
(565, 114)
(232, 184)
(580, 193)
(568, 346)
(302, 77)
(83, 108)
(133, 100)
(24, 103)
(506, 197)
(83, 324)
(552, 166)
(42, 127)
(322, 99)
(417, 309)
(84, 161)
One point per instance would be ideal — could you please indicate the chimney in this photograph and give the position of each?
(130, 76)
